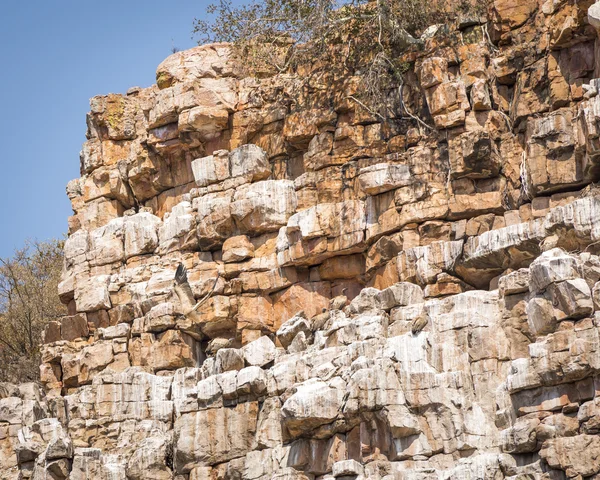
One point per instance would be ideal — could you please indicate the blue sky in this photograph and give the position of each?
(54, 56)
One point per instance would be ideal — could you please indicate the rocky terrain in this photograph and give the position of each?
(383, 300)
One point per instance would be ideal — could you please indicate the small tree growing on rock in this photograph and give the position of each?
(337, 38)
(28, 301)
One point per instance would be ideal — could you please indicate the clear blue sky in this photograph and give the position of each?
(54, 56)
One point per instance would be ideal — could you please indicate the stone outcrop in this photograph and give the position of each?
(385, 301)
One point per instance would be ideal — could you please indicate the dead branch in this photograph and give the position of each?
(208, 295)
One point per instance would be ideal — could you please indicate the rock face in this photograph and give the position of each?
(391, 303)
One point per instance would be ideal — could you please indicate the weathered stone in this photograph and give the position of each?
(578, 455)
(228, 359)
(553, 266)
(214, 435)
(74, 327)
(141, 234)
(92, 294)
(212, 169)
(264, 206)
(315, 403)
(359, 244)
(251, 161)
(237, 249)
(215, 223)
(259, 352)
(384, 177)
(288, 330)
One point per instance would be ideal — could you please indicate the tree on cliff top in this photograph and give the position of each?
(343, 37)
(28, 301)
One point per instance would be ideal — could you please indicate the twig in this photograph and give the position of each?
(207, 296)
(487, 36)
(507, 118)
(591, 245)
(372, 112)
(414, 117)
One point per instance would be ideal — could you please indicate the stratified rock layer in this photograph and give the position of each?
(391, 303)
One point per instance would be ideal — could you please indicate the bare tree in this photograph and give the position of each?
(342, 37)
(28, 301)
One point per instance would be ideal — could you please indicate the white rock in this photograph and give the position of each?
(288, 330)
(211, 169)
(92, 294)
(141, 234)
(259, 352)
(250, 160)
(553, 266)
(264, 206)
(383, 177)
(347, 468)
(315, 403)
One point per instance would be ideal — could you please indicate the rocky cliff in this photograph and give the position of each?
(382, 300)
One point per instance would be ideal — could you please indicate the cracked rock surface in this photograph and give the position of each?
(383, 302)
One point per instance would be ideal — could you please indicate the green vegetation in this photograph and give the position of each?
(28, 301)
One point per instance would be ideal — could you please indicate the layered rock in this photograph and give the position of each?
(383, 300)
